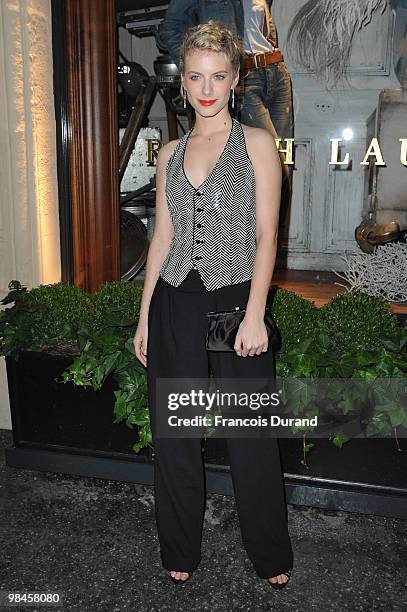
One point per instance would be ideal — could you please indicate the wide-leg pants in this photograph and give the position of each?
(176, 348)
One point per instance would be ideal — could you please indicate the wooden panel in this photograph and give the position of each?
(92, 90)
(344, 198)
(298, 221)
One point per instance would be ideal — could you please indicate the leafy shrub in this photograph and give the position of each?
(355, 335)
(43, 316)
(116, 302)
(295, 316)
(355, 320)
(52, 314)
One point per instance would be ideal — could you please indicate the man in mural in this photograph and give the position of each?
(264, 97)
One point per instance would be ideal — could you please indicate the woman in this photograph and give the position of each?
(214, 246)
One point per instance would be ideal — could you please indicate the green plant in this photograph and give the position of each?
(44, 316)
(117, 301)
(353, 338)
(106, 349)
(99, 325)
(356, 320)
(318, 378)
(106, 352)
(295, 316)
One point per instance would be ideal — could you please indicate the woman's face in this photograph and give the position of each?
(208, 77)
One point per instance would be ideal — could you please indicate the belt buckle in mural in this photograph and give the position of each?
(256, 56)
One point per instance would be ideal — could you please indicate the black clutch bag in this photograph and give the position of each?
(223, 326)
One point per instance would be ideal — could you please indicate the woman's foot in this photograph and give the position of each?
(179, 576)
(280, 581)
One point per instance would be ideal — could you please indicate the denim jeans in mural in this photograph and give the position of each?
(266, 101)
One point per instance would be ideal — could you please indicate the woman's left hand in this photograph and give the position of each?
(251, 337)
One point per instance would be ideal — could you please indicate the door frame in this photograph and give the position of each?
(85, 93)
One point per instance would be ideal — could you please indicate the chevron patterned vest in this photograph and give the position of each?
(214, 223)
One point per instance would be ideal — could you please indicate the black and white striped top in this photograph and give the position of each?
(214, 223)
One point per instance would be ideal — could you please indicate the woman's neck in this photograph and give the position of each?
(208, 126)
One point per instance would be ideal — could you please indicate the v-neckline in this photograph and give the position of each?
(218, 160)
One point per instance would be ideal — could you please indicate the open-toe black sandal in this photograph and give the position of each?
(276, 585)
(179, 580)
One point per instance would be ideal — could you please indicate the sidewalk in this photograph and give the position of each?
(95, 541)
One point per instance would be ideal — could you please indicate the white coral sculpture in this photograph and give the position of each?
(382, 273)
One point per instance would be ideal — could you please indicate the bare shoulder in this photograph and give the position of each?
(167, 149)
(258, 141)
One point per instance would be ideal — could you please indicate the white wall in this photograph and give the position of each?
(29, 223)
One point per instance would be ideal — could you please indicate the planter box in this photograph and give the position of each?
(367, 476)
(61, 416)
(63, 428)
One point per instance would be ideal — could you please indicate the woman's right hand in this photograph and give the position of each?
(140, 342)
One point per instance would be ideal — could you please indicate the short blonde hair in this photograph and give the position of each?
(212, 35)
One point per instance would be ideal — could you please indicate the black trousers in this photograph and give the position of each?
(176, 348)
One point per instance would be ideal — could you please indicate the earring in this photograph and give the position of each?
(233, 98)
(184, 96)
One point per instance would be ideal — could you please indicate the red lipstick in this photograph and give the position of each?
(206, 102)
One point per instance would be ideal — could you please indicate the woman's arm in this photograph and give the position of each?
(158, 249)
(266, 163)
(267, 170)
